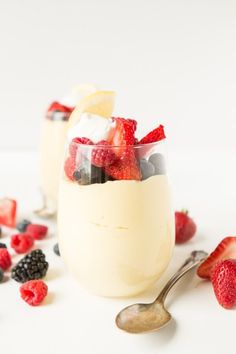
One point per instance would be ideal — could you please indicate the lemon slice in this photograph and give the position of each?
(100, 103)
(84, 90)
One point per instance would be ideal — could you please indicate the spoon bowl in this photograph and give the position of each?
(142, 318)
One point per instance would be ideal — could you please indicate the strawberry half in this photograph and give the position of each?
(8, 209)
(225, 250)
(125, 168)
(122, 134)
(155, 135)
(224, 282)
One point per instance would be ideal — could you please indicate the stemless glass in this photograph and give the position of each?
(115, 235)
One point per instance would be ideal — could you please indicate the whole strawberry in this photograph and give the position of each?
(185, 227)
(224, 282)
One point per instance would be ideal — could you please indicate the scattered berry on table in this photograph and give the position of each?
(147, 169)
(38, 232)
(30, 267)
(103, 156)
(185, 227)
(0, 231)
(224, 282)
(56, 249)
(22, 225)
(22, 243)
(33, 292)
(8, 208)
(1, 275)
(3, 245)
(5, 259)
(226, 249)
(158, 162)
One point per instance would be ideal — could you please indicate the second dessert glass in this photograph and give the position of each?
(116, 236)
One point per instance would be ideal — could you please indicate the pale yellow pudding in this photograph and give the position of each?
(51, 155)
(116, 238)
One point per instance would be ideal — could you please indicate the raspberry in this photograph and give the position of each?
(102, 157)
(70, 167)
(5, 259)
(38, 232)
(74, 145)
(30, 267)
(33, 292)
(22, 243)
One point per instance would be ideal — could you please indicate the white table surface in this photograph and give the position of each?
(73, 321)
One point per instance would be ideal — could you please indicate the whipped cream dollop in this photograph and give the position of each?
(91, 126)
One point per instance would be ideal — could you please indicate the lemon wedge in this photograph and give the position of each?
(100, 103)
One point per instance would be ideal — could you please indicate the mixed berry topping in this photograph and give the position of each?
(115, 158)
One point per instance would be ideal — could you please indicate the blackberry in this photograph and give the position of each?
(1, 275)
(3, 245)
(22, 225)
(32, 266)
(56, 249)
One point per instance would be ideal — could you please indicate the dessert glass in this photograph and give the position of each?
(53, 136)
(115, 236)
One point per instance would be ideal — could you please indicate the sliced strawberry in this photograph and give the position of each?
(226, 249)
(155, 135)
(122, 134)
(8, 208)
(125, 168)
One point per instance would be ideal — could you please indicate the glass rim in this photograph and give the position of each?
(138, 146)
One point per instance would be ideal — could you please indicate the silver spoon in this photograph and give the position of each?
(140, 318)
(44, 211)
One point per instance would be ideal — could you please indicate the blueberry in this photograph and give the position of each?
(56, 249)
(90, 174)
(158, 162)
(22, 225)
(147, 169)
(3, 245)
(1, 275)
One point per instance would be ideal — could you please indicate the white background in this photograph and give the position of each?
(172, 62)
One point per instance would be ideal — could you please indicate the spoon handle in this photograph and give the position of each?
(195, 258)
